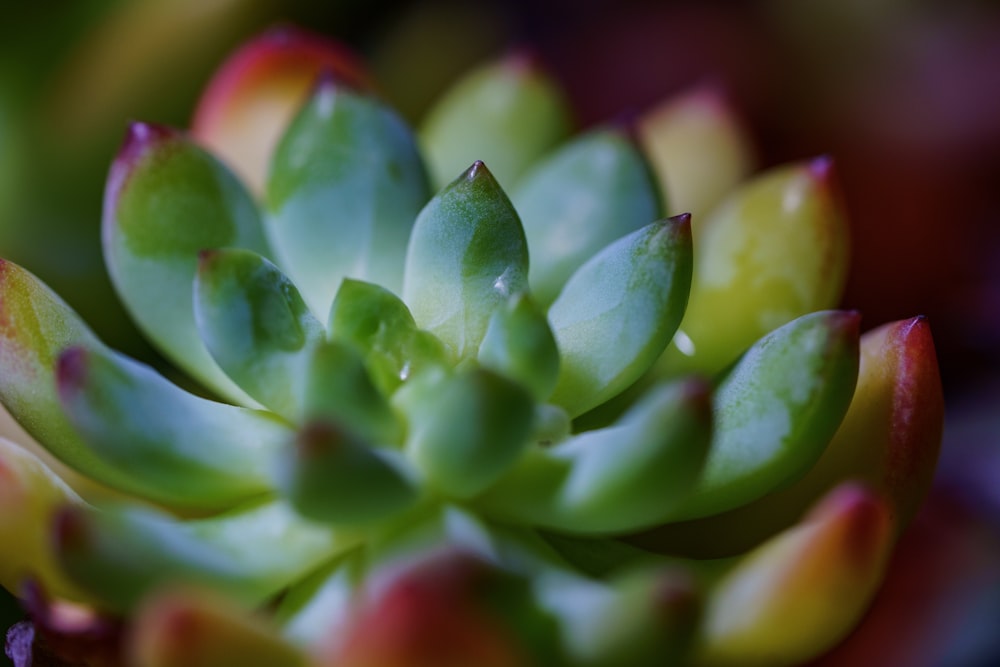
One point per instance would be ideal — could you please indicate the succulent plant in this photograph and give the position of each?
(454, 426)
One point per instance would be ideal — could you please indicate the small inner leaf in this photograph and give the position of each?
(336, 477)
(519, 344)
(339, 389)
(255, 325)
(379, 324)
(466, 430)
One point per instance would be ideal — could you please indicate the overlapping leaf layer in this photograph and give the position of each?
(456, 426)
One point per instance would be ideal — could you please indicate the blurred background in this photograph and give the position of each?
(904, 94)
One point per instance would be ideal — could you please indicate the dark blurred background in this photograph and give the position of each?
(904, 94)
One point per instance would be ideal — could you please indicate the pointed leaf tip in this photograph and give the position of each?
(140, 138)
(822, 169)
(477, 169)
(140, 135)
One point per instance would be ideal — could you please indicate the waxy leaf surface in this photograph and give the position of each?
(698, 148)
(467, 256)
(889, 439)
(618, 312)
(180, 449)
(507, 114)
(257, 91)
(30, 494)
(35, 327)
(774, 250)
(345, 186)
(519, 344)
(623, 477)
(339, 389)
(166, 200)
(589, 193)
(121, 554)
(337, 478)
(256, 326)
(802, 591)
(777, 409)
(468, 430)
(380, 326)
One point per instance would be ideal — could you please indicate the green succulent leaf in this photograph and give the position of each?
(519, 344)
(467, 429)
(616, 479)
(337, 478)
(179, 449)
(507, 114)
(590, 192)
(776, 410)
(624, 622)
(618, 312)
(324, 600)
(122, 553)
(256, 326)
(340, 389)
(346, 183)
(774, 250)
(379, 324)
(35, 326)
(167, 200)
(467, 256)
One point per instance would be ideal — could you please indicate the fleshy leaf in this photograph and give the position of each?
(618, 312)
(345, 186)
(165, 201)
(647, 616)
(256, 92)
(256, 326)
(191, 628)
(29, 495)
(629, 475)
(774, 250)
(801, 592)
(519, 344)
(337, 478)
(467, 256)
(449, 608)
(339, 389)
(122, 553)
(35, 326)
(468, 429)
(589, 193)
(379, 324)
(888, 439)
(507, 114)
(698, 148)
(323, 601)
(177, 448)
(776, 411)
